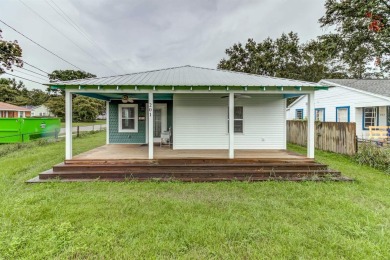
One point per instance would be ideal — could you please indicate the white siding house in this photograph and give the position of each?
(40, 111)
(195, 104)
(366, 102)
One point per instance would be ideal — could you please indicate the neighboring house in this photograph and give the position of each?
(366, 102)
(12, 111)
(40, 111)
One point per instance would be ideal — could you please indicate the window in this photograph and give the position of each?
(370, 117)
(388, 115)
(238, 119)
(342, 114)
(299, 114)
(320, 114)
(21, 114)
(128, 118)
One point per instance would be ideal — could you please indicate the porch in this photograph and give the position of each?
(120, 162)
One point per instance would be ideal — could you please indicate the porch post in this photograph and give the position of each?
(231, 125)
(150, 125)
(68, 125)
(310, 125)
(107, 122)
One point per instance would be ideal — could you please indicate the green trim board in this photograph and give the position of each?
(188, 88)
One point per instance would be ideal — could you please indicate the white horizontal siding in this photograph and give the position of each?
(200, 122)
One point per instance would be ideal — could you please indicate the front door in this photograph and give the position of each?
(159, 120)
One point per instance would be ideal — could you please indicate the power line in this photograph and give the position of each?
(22, 78)
(52, 26)
(25, 62)
(33, 72)
(78, 28)
(39, 45)
(31, 75)
(29, 64)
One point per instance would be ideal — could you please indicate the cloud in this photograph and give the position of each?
(141, 35)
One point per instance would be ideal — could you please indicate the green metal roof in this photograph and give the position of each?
(187, 76)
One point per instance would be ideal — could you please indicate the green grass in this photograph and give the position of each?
(97, 122)
(227, 220)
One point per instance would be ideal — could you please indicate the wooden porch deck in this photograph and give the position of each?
(120, 162)
(133, 151)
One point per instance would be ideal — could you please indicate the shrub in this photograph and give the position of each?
(374, 156)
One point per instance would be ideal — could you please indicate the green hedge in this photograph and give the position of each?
(374, 156)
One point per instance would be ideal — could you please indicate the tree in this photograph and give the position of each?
(364, 25)
(13, 92)
(10, 55)
(64, 75)
(284, 57)
(84, 108)
(37, 97)
(56, 105)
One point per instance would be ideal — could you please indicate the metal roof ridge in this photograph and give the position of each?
(120, 75)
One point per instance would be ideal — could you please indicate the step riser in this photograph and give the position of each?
(185, 175)
(178, 168)
(185, 161)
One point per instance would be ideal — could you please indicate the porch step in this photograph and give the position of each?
(188, 161)
(191, 175)
(197, 170)
(129, 168)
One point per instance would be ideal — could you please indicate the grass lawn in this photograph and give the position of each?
(190, 220)
(97, 122)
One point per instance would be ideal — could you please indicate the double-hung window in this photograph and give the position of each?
(238, 120)
(370, 117)
(128, 118)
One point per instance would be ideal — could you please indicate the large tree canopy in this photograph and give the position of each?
(16, 93)
(285, 57)
(365, 27)
(10, 54)
(84, 108)
(64, 75)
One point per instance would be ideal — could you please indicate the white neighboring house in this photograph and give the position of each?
(40, 111)
(366, 102)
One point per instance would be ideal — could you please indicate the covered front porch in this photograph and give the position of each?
(226, 126)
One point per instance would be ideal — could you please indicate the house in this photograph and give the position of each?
(366, 102)
(12, 111)
(40, 111)
(224, 125)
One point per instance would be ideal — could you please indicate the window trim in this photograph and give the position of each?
(238, 119)
(323, 115)
(363, 117)
(120, 129)
(349, 114)
(296, 113)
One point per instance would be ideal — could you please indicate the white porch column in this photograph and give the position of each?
(231, 125)
(107, 122)
(68, 125)
(310, 125)
(150, 125)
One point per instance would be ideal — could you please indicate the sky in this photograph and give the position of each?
(113, 37)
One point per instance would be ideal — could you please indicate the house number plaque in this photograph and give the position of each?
(150, 109)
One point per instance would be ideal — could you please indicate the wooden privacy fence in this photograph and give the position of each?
(329, 136)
